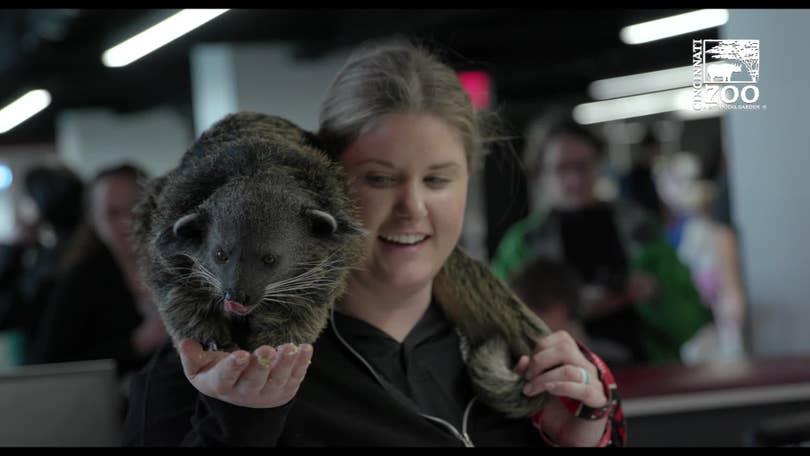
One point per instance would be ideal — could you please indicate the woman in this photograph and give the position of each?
(118, 319)
(710, 251)
(49, 213)
(636, 293)
(388, 369)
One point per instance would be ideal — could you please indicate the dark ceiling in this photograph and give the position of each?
(535, 57)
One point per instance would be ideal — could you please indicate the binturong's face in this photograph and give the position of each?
(409, 176)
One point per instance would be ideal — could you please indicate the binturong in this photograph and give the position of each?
(249, 239)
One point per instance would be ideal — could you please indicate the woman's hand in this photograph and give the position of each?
(265, 378)
(556, 366)
(641, 287)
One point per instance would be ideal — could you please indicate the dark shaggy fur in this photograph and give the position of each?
(245, 186)
(253, 214)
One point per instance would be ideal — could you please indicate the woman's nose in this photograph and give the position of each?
(411, 202)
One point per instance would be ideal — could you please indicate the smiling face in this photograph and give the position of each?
(570, 172)
(409, 177)
(113, 199)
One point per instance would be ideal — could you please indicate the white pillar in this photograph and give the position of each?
(769, 158)
(90, 140)
(262, 77)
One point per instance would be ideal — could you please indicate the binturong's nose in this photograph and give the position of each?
(241, 298)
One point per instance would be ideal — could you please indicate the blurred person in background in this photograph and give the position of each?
(556, 300)
(638, 185)
(710, 251)
(100, 308)
(636, 291)
(48, 213)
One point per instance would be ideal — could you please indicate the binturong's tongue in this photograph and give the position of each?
(235, 307)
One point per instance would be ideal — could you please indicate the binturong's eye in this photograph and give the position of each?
(221, 256)
(269, 260)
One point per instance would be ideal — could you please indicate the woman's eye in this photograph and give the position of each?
(379, 179)
(436, 181)
(221, 256)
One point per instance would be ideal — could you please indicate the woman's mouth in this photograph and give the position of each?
(404, 239)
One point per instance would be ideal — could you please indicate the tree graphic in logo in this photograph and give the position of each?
(744, 52)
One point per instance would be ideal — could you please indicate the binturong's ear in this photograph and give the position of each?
(188, 226)
(186, 231)
(324, 224)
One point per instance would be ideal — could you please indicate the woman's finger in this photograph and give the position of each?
(228, 371)
(281, 370)
(564, 373)
(556, 338)
(587, 394)
(565, 351)
(255, 375)
(553, 357)
(196, 360)
(299, 368)
(522, 365)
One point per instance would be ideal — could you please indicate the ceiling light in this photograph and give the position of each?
(21, 109)
(673, 25)
(157, 36)
(634, 106)
(633, 84)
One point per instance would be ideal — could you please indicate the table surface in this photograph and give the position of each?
(657, 380)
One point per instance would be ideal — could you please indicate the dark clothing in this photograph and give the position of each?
(27, 277)
(426, 367)
(639, 186)
(90, 315)
(340, 402)
(651, 331)
(592, 246)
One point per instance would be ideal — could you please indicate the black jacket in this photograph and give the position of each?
(91, 314)
(340, 402)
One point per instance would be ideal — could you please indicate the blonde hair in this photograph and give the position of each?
(396, 77)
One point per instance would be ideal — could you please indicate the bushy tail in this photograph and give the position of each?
(498, 327)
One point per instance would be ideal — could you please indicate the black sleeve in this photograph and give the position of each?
(218, 423)
(10, 273)
(166, 410)
(64, 323)
(10, 263)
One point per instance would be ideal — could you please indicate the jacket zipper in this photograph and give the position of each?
(463, 436)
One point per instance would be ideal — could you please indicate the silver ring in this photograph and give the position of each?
(585, 376)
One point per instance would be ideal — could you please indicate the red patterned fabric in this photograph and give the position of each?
(615, 430)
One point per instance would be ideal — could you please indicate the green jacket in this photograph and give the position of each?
(668, 320)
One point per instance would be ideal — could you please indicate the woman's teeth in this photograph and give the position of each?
(408, 239)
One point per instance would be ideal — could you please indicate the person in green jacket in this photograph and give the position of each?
(636, 291)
